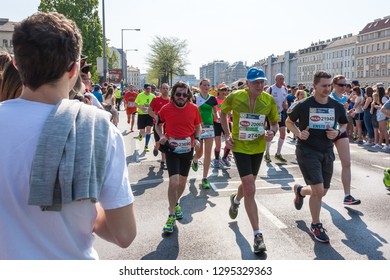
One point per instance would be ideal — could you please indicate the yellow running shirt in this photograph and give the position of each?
(248, 127)
(144, 100)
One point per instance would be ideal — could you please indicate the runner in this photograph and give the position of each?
(342, 141)
(250, 107)
(182, 130)
(207, 105)
(131, 108)
(318, 117)
(155, 107)
(221, 95)
(279, 92)
(144, 122)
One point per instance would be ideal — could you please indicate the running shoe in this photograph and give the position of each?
(146, 149)
(267, 158)
(226, 162)
(350, 200)
(298, 200)
(368, 144)
(178, 212)
(155, 152)
(386, 148)
(205, 183)
(377, 146)
(140, 137)
(319, 233)
(168, 228)
(280, 158)
(216, 163)
(233, 210)
(259, 246)
(358, 141)
(194, 166)
(386, 178)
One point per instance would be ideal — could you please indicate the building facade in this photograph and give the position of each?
(189, 79)
(373, 53)
(213, 71)
(6, 32)
(234, 72)
(134, 76)
(339, 57)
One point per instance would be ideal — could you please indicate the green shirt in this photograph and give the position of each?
(206, 106)
(239, 103)
(144, 100)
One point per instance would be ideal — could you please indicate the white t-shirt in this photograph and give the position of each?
(26, 232)
(279, 94)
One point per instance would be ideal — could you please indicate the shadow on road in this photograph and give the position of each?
(167, 249)
(358, 237)
(195, 201)
(243, 244)
(148, 183)
(323, 251)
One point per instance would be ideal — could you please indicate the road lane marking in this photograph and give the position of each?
(271, 217)
(378, 166)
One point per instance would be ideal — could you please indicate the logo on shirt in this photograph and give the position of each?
(244, 123)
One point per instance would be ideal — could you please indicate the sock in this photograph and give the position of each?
(147, 139)
(280, 144)
(226, 153)
(268, 146)
(216, 153)
(236, 201)
(256, 232)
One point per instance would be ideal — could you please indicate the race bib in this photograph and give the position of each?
(207, 132)
(251, 126)
(180, 145)
(130, 104)
(320, 118)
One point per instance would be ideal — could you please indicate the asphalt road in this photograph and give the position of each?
(207, 233)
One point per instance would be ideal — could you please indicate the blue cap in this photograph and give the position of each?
(255, 74)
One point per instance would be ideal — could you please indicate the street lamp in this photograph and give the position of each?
(123, 66)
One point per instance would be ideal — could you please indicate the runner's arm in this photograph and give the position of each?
(224, 123)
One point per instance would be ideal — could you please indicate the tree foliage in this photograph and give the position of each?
(112, 58)
(85, 14)
(167, 58)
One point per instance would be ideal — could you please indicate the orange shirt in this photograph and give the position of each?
(130, 97)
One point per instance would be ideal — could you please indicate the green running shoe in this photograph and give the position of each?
(280, 158)
(168, 228)
(386, 178)
(267, 158)
(194, 166)
(140, 137)
(178, 212)
(205, 183)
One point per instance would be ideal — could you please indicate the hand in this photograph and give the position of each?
(196, 144)
(163, 140)
(269, 135)
(331, 133)
(303, 135)
(229, 142)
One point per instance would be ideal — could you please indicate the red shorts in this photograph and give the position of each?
(131, 110)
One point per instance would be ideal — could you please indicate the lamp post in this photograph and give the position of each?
(104, 46)
(123, 62)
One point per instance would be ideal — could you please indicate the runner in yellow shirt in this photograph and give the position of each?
(250, 107)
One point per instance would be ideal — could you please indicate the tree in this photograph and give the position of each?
(113, 59)
(167, 58)
(85, 14)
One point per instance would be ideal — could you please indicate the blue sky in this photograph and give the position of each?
(246, 30)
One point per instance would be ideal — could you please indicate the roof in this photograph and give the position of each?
(7, 26)
(376, 25)
(342, 42)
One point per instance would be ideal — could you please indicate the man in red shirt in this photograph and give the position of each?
(155, 106)
(130, 106)
(182, 130)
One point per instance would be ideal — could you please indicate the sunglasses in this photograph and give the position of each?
(342, 85)
(223, 89)
(178, 94)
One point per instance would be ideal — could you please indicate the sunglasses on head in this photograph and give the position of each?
(178, 94)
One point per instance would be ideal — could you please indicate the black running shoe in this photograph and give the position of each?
(350, 200)
(259, 246)
(298, 200)
(319, 233)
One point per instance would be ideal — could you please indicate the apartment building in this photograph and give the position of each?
(6, 31)
(134, 76)
(213, 71)
(373, 53)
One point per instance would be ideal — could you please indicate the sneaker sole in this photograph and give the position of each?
(167, 231)
(298, 200)
(232, 215)
(260, 251)
(352, 202)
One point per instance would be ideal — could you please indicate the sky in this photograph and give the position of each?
(229, 30)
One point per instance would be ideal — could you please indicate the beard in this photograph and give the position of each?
(179, 104)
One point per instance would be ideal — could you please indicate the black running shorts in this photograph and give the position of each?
(247, 164)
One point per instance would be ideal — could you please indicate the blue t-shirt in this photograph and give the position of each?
(341, 100)
(98, 95)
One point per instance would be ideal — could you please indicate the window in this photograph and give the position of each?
(378, 47)
(377, 73)
(383, 72)
(372, 73)
(5, 43)
(366, 73)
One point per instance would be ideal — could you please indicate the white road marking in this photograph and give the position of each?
(271, 217)
(378, 166)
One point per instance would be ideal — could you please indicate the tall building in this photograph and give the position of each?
(373, 53)
(339, 56)
(310, 61)
(234, 72)
(6, 31)
(134, 76)
(189, 79)
(285, 64)
(213, 71)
